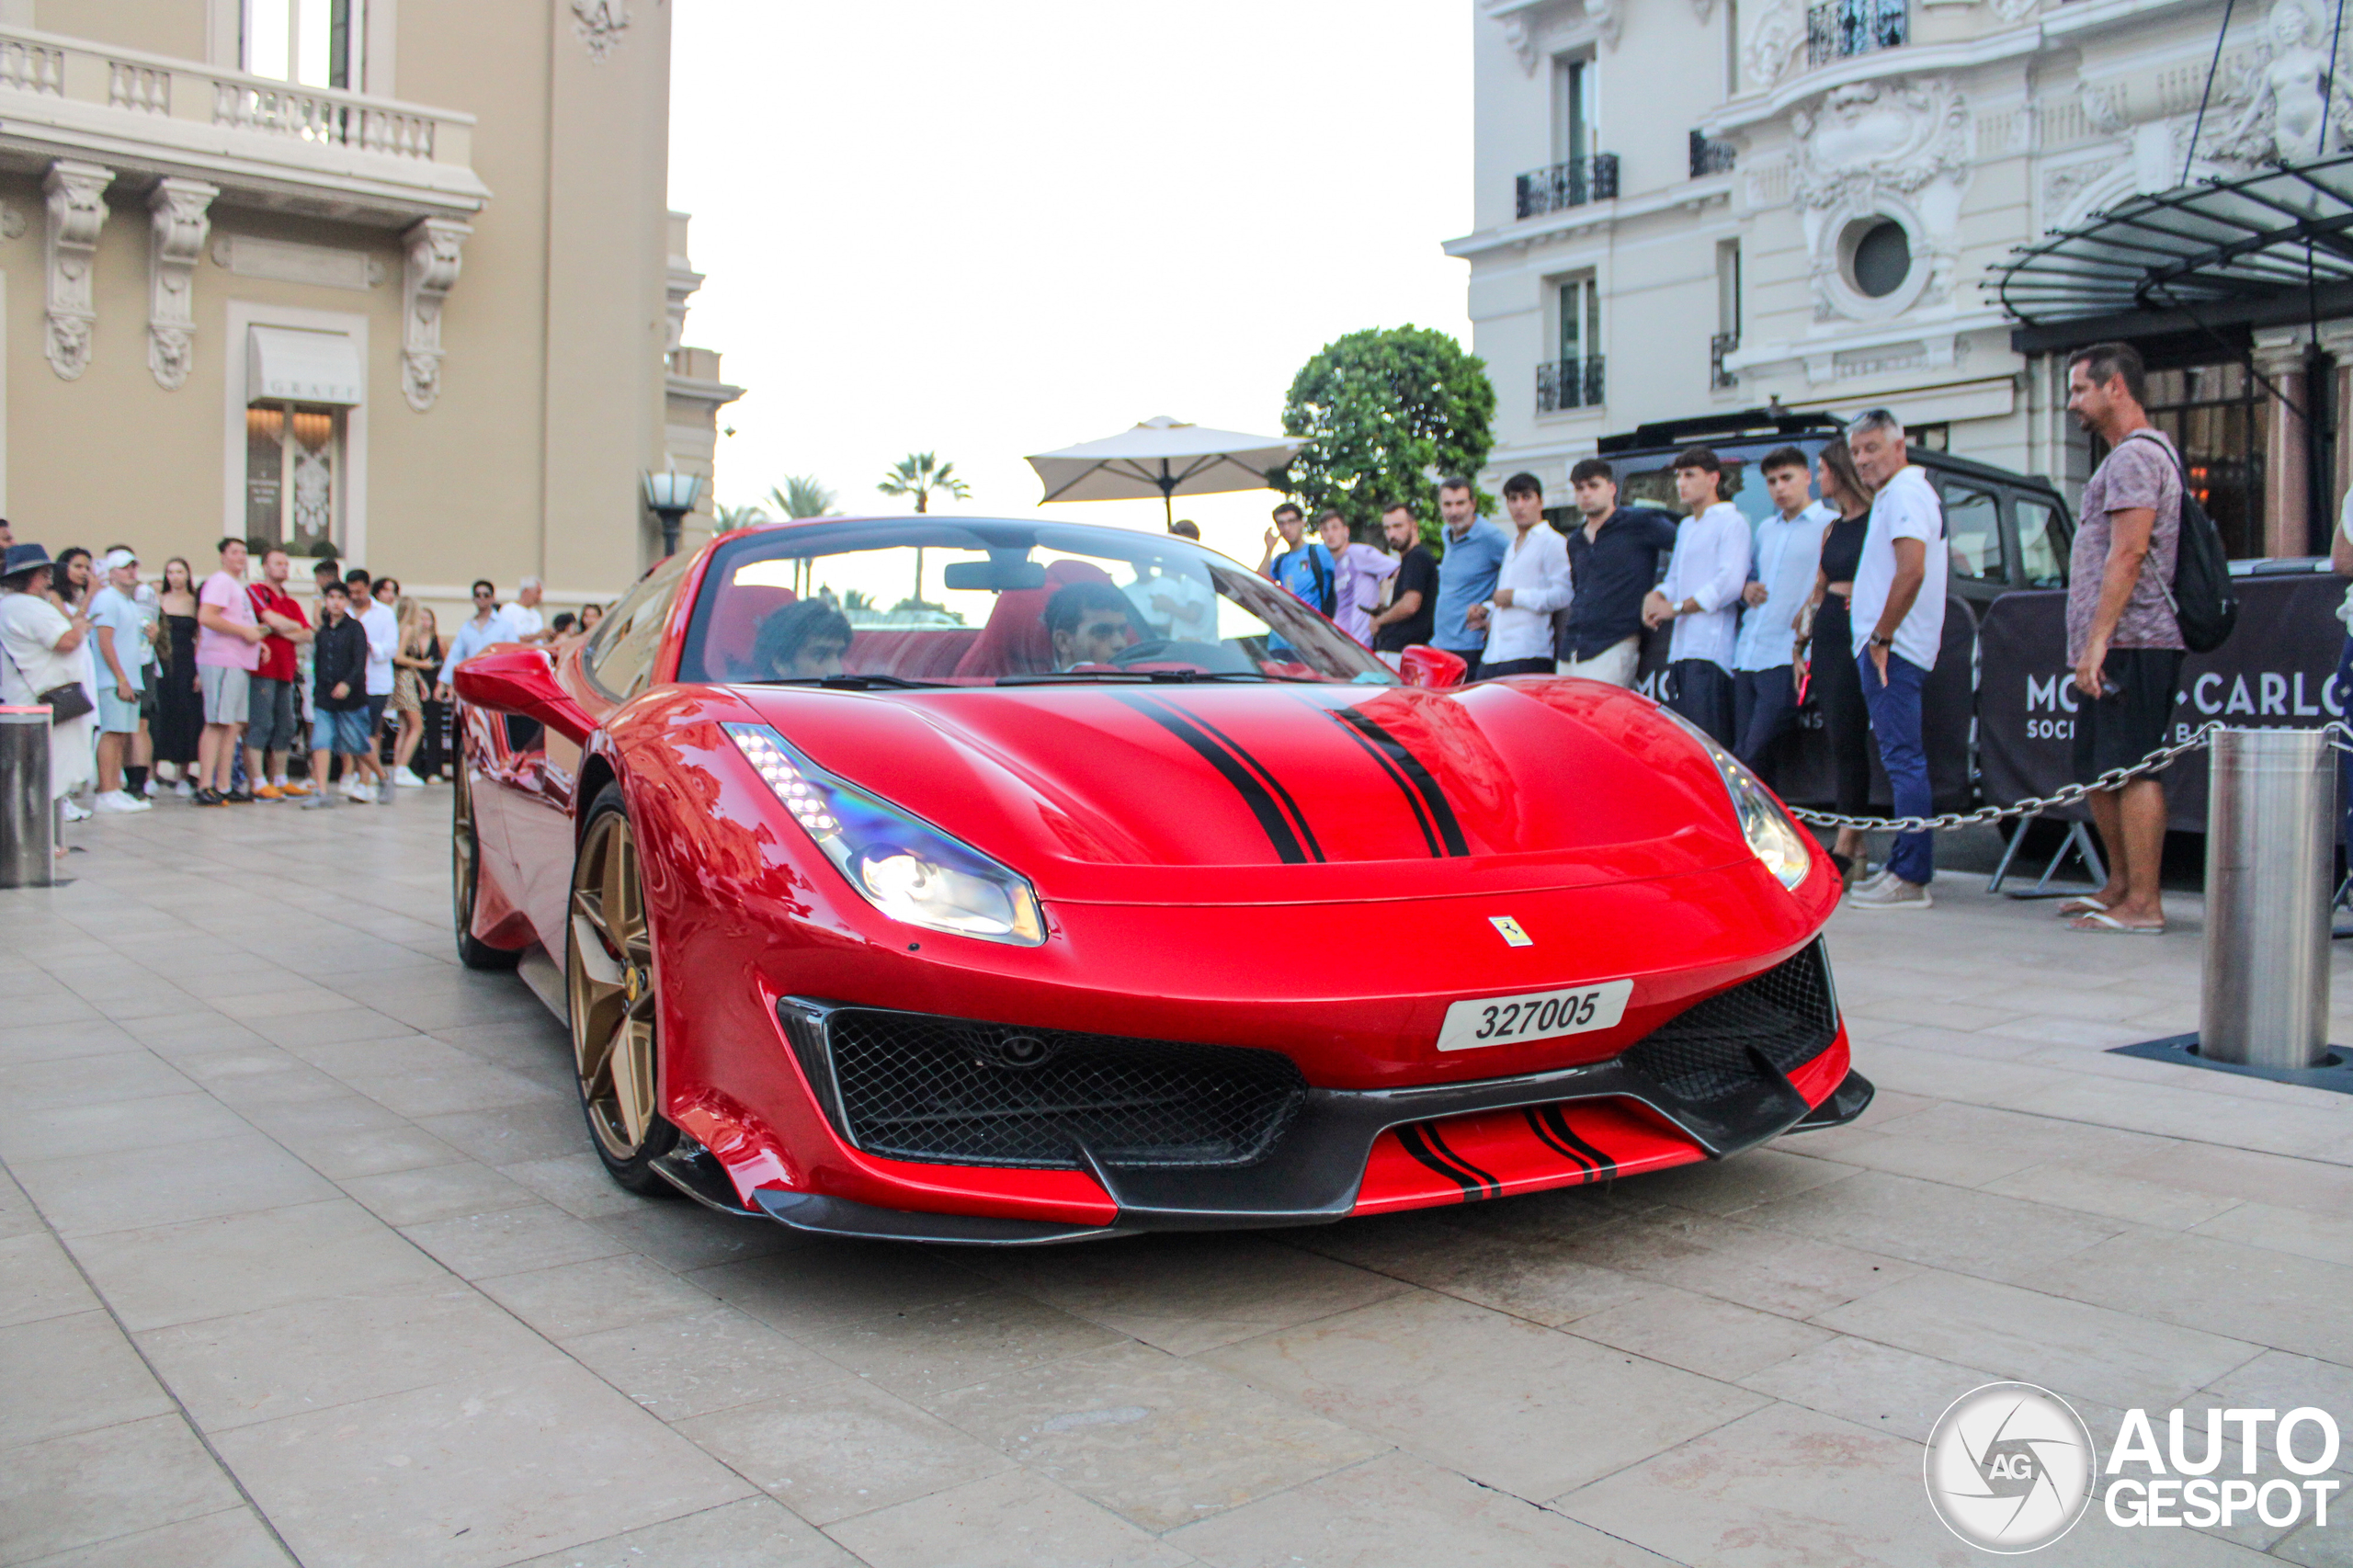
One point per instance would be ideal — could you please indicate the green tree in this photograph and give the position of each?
(920, 473)
(1383, 410)
(802, 496)
(743, 516)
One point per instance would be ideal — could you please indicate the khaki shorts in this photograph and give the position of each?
(227, 692)
(1617, 663)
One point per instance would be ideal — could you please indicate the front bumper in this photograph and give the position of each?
(1733, 1071)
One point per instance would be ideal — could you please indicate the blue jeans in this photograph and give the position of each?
(1895, 704)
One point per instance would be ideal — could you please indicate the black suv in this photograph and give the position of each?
(2006, 530)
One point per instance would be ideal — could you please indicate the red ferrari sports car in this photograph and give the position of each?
(1098, 886)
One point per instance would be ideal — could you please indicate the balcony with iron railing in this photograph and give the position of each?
(1565, 384)
(1566, 185)
(379, 160)
(1709, 156)
(1840, 30)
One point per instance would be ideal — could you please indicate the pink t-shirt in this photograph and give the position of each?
(227, 595)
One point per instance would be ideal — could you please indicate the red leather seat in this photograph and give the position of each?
(735, 629)
(1015, 642)
(921, 652)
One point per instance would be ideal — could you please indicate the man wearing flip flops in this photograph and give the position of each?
(2122, 636)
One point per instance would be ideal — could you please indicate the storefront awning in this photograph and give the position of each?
(301, 365)
(2266, 249)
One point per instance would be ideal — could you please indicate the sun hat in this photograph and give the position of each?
(23, 558)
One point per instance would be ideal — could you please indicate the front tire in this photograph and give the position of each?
(465, 880)
(609, 981)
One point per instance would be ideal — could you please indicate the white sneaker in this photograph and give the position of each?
(354, 788)
(369, 795)
(75, 810)
(183, 788)
(120, 801)
(150, 790)
(405, 779)
(1892, 893)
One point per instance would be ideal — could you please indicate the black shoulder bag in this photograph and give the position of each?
(66, 702)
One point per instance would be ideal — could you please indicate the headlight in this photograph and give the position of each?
(908, 870)
(1786, 850)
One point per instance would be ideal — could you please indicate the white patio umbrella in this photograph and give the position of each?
(1162, 457)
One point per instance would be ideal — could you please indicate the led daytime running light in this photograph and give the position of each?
(904, 867)
(1773, 838)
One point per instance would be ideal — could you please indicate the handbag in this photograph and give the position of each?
(67, 701)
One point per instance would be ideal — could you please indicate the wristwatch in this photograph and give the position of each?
(1887, 643)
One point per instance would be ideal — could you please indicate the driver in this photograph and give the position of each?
(800, 641)
(1090, 623)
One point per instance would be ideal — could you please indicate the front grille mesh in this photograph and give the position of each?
(917, 1087)
(1786, 1013)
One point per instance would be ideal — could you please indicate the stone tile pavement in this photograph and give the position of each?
(303, 1256)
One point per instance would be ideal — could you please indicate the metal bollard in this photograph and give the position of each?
(27, 817)
(2271, 834)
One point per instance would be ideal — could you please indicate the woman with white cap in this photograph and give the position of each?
(40, 650)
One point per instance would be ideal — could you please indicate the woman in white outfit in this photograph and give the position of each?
(41, 648)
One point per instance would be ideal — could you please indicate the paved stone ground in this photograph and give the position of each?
(303, 1255)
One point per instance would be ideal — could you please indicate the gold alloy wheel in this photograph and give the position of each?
(608, 973)
(464, 855)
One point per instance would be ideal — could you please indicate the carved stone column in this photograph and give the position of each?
(434, 257)
(2286, 484)
(2336, 340)
(78, 210)
(178, 219)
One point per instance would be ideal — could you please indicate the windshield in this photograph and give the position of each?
(973, 601)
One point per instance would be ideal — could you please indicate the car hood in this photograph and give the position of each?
(1283, 792)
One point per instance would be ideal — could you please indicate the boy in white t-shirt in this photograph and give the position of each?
(1898, 610)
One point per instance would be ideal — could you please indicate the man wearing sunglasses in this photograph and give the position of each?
(489, 627)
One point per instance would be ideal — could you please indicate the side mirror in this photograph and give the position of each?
(521, 681)
(1422, 665)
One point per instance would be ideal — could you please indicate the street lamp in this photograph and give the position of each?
(672, 494)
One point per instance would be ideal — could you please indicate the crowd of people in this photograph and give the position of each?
(231, 690)
(1836, 599)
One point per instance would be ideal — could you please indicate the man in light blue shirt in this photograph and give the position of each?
(1780, 581)
(489, 626)
(1466, 574)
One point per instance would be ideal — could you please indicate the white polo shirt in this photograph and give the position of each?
(1905, 508)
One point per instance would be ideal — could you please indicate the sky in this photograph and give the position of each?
(987, 231)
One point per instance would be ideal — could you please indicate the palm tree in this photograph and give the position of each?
(919, 474)
(741, 516)
(802, 496)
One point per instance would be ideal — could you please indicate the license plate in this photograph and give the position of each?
(1542, 1014)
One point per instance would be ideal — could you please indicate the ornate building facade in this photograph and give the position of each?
(395, 279)
(1696, 206)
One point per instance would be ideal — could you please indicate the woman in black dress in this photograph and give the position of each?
(179, 705)
(1828, 640)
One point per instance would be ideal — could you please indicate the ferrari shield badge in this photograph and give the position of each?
(1510, 930)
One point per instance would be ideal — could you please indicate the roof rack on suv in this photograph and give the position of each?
(1775, 421)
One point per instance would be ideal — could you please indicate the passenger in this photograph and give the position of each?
(1090, 623)
(801, 641)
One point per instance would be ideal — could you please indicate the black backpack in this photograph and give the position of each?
(1327, 590)
(2202, 604)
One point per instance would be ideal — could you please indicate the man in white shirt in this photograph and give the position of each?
(1781, 580)
(1702, 595)
(489, 626)
(523, 617)
(1899, 619)
(1531, 584)
(378, 619)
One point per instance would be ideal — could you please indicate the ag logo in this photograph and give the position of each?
(2009, 1468)
(1510, 931)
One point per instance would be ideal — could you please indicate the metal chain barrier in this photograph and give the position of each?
(2340, 737)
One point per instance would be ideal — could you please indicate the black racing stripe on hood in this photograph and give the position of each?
(1388, 765)
(1298, 817)
(1253, 794)
(1449, 829)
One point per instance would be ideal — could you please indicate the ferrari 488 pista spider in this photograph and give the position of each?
(1101, 886)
